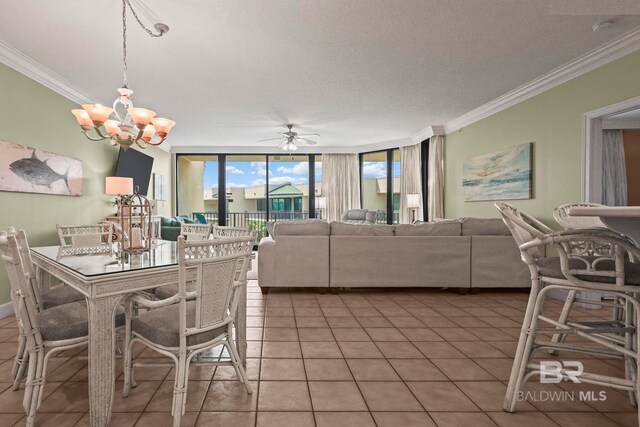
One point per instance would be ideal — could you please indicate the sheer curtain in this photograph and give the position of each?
(435, 202)
(340, 184)
(410, 181)
(614, 174)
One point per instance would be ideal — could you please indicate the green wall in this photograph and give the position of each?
(32, 115)
(553, 121)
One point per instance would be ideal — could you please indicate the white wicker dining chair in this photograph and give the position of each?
(46, 332)
(42, 300)
(195, 232)
(190, 323)
(86, 239)
(168, 291)
(589, 270)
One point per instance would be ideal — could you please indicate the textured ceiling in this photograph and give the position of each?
(357, 72)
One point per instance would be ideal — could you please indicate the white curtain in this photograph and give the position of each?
(410, 182)
(340, 184)
(614, 175)
(435, 201)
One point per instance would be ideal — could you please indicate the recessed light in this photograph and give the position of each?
(602, 25)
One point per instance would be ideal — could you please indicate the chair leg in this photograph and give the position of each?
(564, 315)
(180, 389)
(20, 362)
(523, 351)
(33, 385)
(235, 359)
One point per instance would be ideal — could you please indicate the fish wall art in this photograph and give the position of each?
(31, 170)
(501, 175)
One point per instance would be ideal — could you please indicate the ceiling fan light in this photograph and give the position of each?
(290, 147)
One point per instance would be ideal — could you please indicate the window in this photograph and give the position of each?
(289, 187)
(395, 173)
(197, 186)
(374, 183)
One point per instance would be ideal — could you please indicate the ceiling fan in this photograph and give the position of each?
(289, 139)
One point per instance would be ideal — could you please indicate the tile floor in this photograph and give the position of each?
(380, 358)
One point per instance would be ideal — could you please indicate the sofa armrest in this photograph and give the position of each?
(267, 262)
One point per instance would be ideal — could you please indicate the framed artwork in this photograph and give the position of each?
(159, 187)
(31, 170)
(502, 175)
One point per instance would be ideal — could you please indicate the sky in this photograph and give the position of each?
(250, 174)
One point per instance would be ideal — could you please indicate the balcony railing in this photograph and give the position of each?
(256, 220)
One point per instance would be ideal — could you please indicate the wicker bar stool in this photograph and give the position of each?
(590, 270)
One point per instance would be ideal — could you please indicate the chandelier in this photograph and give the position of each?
(129, 124)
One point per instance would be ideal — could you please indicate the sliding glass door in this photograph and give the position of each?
(248, 190)
(380, 184)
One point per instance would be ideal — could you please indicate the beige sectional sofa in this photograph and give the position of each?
(465, 253)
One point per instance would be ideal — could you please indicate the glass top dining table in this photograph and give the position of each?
(163, 253)
(105, 279)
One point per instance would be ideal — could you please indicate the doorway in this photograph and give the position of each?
(625, 117)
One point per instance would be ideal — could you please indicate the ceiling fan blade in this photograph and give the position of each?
(308, 141)
(268, 139)
(303, 135)
(282, 144)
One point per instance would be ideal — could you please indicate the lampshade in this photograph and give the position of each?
(115, 185)
(141, 116)
(413, 200)
(163, 126)
(82, 117)
(321, 202)
(98, 112)
(148, 132)
(111, 126)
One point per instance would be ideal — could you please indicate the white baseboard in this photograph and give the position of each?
(6, 310)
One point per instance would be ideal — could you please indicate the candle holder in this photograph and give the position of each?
(134, 212)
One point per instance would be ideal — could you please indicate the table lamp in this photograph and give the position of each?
(413, 204)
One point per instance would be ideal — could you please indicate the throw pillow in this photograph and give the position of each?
(201, 219)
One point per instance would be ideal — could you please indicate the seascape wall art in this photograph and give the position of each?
(30, 170)
(502, 175)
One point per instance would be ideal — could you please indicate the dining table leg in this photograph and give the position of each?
(101, 358)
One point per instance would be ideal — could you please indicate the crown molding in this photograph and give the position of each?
(12, 57)
(616, 49)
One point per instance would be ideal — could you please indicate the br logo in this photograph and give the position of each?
(554, 371)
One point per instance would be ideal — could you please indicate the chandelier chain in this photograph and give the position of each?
(126, 3)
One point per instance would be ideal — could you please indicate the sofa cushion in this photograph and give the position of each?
(307, 227)
(339, 228)
(440, 228)
(201, 218)
(165, 221)
(484, 227)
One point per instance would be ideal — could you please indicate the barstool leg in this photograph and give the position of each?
(564, 315)
(524, 347)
